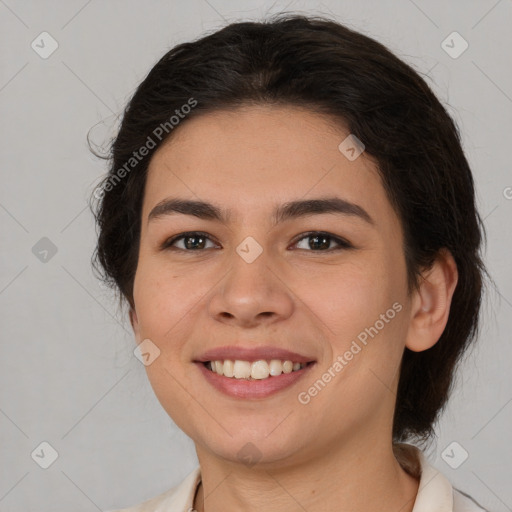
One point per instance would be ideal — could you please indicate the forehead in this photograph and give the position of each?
(254, 157)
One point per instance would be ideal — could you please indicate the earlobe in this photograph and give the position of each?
(431, 303)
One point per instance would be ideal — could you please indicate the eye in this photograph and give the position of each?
(321, 242)
(192, 241)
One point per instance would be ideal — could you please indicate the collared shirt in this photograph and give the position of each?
(435, 494)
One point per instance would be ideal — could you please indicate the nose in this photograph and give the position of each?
(251, 294)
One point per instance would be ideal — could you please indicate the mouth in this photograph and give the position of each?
(254, 380)
(256, 370)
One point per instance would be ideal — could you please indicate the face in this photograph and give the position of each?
(324, 280)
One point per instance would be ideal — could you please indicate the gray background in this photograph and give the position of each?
(69, 376)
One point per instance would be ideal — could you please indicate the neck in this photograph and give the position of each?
(343, 480)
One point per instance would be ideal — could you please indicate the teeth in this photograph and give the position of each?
(227, 368)
(241, 369)
(219, 367)
(275, 367)
(260, 370)
(257, 370)
(287, 367)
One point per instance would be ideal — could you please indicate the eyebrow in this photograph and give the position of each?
(286, 211)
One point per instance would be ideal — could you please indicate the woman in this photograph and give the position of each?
(291, 219)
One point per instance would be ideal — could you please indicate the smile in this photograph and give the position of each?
(257, 370)
(239, 382)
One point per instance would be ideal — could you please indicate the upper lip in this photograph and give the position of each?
(252, 354)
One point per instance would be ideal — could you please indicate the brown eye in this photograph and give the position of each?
(321, 242)
(192, 241)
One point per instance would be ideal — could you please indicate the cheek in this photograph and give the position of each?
(162, 299)
(170, 303)
(362, 309)
(351, 297)
(364, 314)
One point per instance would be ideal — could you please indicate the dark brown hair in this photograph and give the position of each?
(317, 63)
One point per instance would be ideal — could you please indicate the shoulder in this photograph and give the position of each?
(176, 499)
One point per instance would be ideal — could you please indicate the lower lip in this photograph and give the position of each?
(247, 389)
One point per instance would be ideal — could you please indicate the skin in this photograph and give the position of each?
(334, 453)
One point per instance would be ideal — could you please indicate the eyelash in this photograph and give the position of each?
(342, 244)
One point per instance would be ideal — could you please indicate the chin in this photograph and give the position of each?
(252, 447)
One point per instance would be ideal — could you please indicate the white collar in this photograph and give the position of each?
(435, 492)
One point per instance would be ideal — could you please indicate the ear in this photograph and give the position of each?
(431, 303)
(134, 321)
